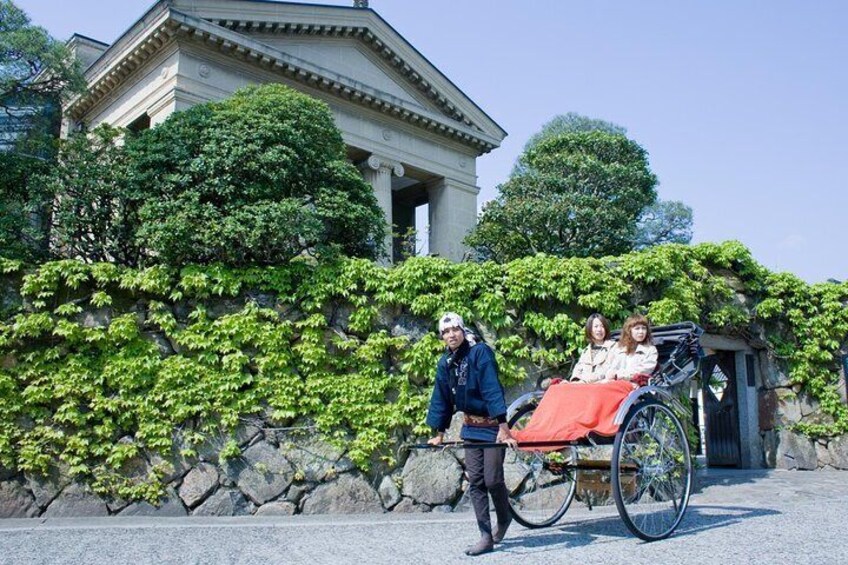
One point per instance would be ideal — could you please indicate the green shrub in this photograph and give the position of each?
(24, 206)
(255, 179)
(95, 211)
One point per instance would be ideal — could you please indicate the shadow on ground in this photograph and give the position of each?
(698, 519)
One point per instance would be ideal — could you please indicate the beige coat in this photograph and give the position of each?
(593, 363)
(641, 361)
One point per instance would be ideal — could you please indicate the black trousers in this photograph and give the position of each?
(485, 471)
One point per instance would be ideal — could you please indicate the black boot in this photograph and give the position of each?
(485, 545)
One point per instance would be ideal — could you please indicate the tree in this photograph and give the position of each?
(257, 178)
(666, 221)
(657, 221)
(568, 123)
(36, 72)
(95, 209)
(33, 64)
(23, 208)
(572, 123)
(575, 194)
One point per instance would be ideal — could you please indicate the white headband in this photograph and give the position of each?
(450, 320)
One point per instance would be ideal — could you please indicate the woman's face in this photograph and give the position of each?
(599, 334)
(639, 333)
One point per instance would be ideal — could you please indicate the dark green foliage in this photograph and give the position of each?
(95, 212)
(572, 123)
(36, 73)
(257, 178)
(574, 195)
(659, 222)
(665, 221)
(24, 204)
(32, 62)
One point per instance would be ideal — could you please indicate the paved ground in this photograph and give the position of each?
(735, 517)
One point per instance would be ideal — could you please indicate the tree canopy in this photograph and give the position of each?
(665, 221)
(574, 194)
(36, 72)
(572, 123)
(535, 212)
(32, 64)
(258, 178)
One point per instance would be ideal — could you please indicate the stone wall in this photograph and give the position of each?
(781, 406)
(288, 471)
(279, 472)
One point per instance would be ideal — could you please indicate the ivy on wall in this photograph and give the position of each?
(100, 364)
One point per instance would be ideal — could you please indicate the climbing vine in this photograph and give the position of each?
(101, 366)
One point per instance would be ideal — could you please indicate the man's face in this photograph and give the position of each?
(453, 337)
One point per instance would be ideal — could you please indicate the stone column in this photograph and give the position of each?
(453, 214)
(377, 172)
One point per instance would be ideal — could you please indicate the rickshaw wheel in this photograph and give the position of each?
(541, 485)
(651, 470)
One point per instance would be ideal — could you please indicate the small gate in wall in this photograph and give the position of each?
(721, 411)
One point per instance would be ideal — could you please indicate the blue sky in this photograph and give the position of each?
(741, 105)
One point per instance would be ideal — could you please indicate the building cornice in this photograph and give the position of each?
(231, 40)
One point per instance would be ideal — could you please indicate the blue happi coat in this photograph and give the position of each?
(467, 381)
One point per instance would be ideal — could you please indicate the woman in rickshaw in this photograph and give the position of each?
(571, 411)
(635, 354)
(594, 361)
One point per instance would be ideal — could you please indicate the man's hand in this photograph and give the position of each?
(440, 437)
(505, 436)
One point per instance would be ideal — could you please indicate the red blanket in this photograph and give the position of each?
(569, 411)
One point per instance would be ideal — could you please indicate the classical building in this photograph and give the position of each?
(413, 133)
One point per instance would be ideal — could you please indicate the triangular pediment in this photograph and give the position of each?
(350, 53)
(405, 70)
(350, 58)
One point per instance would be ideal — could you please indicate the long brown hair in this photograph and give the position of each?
(626, 341)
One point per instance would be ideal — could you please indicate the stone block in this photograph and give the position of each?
(349, 494)
(277, 508)
(262, 473)
(170, 506)
(243, 434)
(837, 450)
(774, 376)
(769, 448)
(795, 451)
(788, 408)
(198, 484)
(45, 488)
(767, 409)
(411, 326)
(432, 478)
(161, 341)
(16, 502)
(389, 492)
(76, 501)
(296, 492)
(225, 502)
(823, 455)
(408, 506)
(313, 459)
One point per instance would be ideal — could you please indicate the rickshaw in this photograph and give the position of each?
(650, 470)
